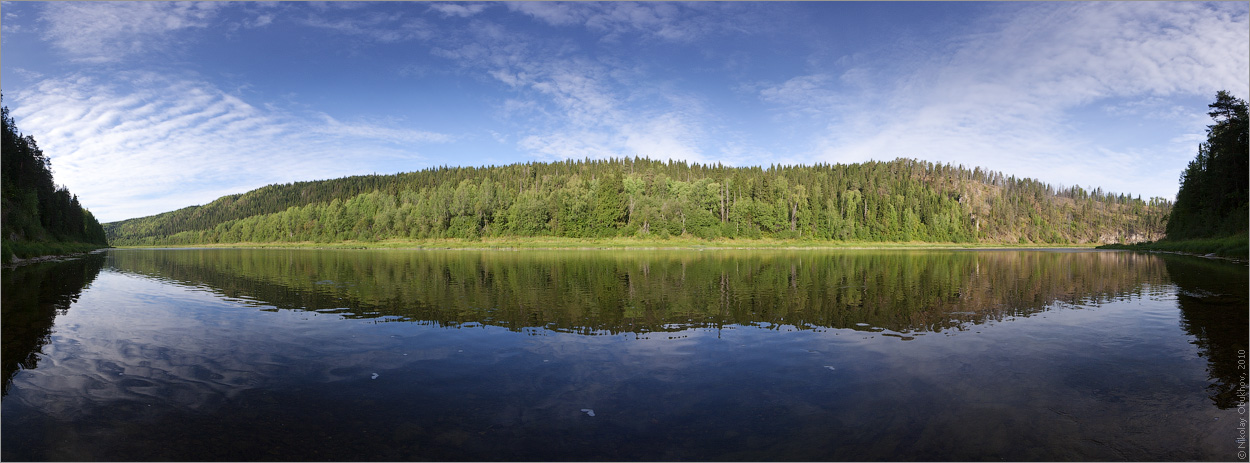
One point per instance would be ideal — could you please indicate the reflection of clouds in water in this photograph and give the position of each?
(186, 348)
(1108, 368)
(642, 380)
(137, 350)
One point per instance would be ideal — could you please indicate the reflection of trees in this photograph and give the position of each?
(33, 296)
(613, 291)
(1213, 301)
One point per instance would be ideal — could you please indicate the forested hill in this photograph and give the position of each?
(901, 200)
(38, 216)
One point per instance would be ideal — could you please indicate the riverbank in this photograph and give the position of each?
(619, 243)
(22, 253)
(1232, 247)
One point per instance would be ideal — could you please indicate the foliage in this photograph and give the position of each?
(657, 291)
(900, 200)
(28, 249)
(44, 291)
(37, 214)
(1212, 200)
(1236, 246)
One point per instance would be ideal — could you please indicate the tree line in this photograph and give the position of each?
(37, 213)
(612, 292)
(900, 200)
(1212, 200)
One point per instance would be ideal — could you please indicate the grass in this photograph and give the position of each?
(619, 243)
(1234, 247)
(10, 250)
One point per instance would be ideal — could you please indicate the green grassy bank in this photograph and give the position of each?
(1234, 247)
(10, 250)
(616, 243)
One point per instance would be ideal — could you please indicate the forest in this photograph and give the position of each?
(39, 217)
(1212, 200)
(1210, 216)
(903, 200)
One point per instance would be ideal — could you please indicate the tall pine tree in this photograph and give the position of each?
(33, 209)
(1212, 200)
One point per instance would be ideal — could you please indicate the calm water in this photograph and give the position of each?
(624, 355)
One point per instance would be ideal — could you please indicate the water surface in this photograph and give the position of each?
(623, 355)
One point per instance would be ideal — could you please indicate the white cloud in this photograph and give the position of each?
(570, 145)
(670, 135)
(663, 136)
(162, 143)
(378, 26)
(807, 95)
(12, 23)
(333, 126)
(592, 117)
(1004, 96)
(570, 105)
(261, 21)
(462, 10)
(110, 31)
(556, 14)
(1012, 92)
(1069, 54)
(667, 21)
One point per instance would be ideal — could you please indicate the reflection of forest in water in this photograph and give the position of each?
(32, 297)
(621, 291)
(906, 293)
(1212, 296)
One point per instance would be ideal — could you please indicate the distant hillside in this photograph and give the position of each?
(900, 200)
(38, 217)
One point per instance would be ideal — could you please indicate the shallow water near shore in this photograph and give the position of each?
(301, 354)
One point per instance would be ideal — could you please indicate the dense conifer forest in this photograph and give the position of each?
(897, 201)
(1212, 200)
(39, 217)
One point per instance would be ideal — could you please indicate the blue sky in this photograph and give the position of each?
(146, 107)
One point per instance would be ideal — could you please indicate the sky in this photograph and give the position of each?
(148, 107)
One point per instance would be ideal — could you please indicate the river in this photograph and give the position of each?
(761, 355)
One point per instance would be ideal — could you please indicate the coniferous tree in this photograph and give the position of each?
(33, 209)
(1212, 200)
(611, 205)
(876, 201)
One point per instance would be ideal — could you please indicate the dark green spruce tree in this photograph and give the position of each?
(38, 216)
(610, 205)
(1212, 200)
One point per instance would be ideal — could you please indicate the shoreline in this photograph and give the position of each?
(1209, 255)
(1232, 248)
(615, 243)
(18, 261)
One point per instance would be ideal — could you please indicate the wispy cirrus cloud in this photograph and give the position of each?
(110, 31)
(462, 10)
(1011, 87)
(1011, 93)
(160, 143)
(574, 106)
(368, 131)
(810, 95)
(587, 116)
(384, 27)
(668, 21)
